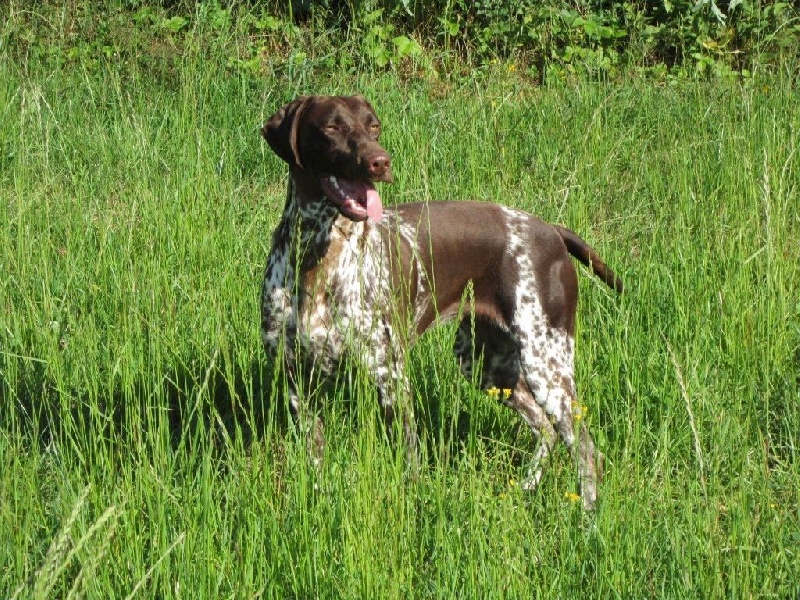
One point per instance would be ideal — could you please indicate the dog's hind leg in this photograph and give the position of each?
(522, 401)
(496, 351)
(548, 371)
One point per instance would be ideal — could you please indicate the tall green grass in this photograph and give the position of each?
(143, 436)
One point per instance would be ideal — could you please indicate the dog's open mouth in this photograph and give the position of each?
(356, 200)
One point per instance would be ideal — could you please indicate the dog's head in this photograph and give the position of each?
(334, 139)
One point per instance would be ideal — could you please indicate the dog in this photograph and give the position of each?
(347, 279)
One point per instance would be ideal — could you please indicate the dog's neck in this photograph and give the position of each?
(304, 231)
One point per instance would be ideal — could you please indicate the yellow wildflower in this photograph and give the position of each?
(579, 411)
(506, 393)
(572, 496)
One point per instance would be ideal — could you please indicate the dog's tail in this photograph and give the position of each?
(587, 255)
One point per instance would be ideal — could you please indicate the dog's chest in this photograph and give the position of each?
(320, 311)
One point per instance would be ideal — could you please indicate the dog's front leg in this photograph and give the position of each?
(307, 422)
(394, 394)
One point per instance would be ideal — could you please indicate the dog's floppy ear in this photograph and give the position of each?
(281, 131)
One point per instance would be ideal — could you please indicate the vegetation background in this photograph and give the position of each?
(144, 442)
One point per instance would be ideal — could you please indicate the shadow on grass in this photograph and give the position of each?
(197, 406)
(213, 409)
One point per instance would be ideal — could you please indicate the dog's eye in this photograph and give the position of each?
(337, 129)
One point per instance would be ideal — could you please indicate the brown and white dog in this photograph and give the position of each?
(348, 279)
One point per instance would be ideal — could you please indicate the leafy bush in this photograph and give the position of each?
(587, 37)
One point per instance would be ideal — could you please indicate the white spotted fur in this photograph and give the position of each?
(343, 312)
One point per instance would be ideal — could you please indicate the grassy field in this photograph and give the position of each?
(144, 443)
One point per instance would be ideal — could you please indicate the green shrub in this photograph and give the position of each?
(584, 37)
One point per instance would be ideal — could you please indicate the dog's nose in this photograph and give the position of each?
(379, 165)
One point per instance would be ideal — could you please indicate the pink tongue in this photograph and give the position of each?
(354, 197)
(374, 206)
